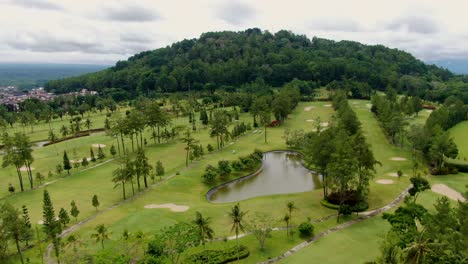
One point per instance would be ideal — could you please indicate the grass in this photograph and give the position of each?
(188, 189)
(459, 134)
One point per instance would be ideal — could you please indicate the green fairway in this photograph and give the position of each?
(460, 136)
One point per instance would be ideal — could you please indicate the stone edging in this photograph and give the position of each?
(250, 175)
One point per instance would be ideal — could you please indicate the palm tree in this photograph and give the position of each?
(119, 178)
(101, 234)
(417, 251)
(286, 219)
(64, 131)
(237, 216)
(291, 207)
(88, 123)
(203, 225)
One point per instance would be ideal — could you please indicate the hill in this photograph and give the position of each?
(229, 60)
(27, 76)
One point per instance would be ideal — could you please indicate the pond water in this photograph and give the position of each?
(282, 172)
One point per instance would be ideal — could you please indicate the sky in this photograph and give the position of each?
(103, 32)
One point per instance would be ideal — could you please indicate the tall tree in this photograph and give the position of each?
(101, 234)
(66, 162)
(14, 226)
(237, 219)
(74, 210)
(95, 202)
(204, 229)
(52, 227)
(190, 142)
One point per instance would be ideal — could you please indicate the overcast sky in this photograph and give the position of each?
(87, 31)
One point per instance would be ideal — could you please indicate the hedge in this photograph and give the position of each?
(211, 256)
(460, 165)
(359, 207)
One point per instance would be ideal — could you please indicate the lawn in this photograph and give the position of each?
(460, 136)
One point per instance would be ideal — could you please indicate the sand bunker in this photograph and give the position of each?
(394, 174)
(308, 108)
(171, 206)
(369, 105)
(310, 120)
(327, 105)
(429, 111)
(384, 181)
(447, 191)
(397, 158)
(25, 168)
(98, 145)
(324, 124)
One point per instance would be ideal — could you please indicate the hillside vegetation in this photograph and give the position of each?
(229, 60)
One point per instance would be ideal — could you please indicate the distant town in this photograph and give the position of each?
(11, 96)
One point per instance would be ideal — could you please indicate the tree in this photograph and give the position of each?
(113, 152)
(52, 227)
(219, 124)
(210, 174)
(442, 146)
(159, 169)
(101, 234)
(74, 210)
(12, 157)
(101, 154)
(63, 217)
(291, 207)
(419, 185)
(265, 120)
(119, 178)
(59, 169)
(84, 162)
(66, 162)
(286, 219)
(306, 229)
(14, 226)
(39, 177)
(189, 141)
(237, 219)
(204, 229)
(95, 202)
(88, 123)
(172, 241)
(91, 154)
(261, 226)
(224, 169)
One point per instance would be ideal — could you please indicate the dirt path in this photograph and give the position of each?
(363, 216)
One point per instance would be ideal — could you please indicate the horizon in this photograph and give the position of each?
(67, 32)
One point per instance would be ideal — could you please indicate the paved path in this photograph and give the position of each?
(362, 217)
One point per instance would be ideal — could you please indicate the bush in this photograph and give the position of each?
(351, 198)
(210, 174)
(237, 165)
(306, 229)
(218, 256)
(461, 166)
(345, 209)
(358, 207)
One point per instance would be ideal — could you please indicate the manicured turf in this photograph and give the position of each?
(460, 136)
(188, 189)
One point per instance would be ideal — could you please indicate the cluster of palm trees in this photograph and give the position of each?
(133, 124)
(18, 152)
(129, 170)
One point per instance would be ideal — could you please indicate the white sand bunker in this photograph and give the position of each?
(397, 158)
(98, 145)
(327, 105)
(24, 168)
(394, 174)
(369, 105)
(171, 206)
(324, 124)
(429, 111)
(308, 108)
(384, 181)
(447, 191)
(310, 120)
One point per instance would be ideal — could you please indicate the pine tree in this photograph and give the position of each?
(63, 217)
(66, 162)
(101, 153)
(95, 202)
(51, 227)
(27, 224)
(74, 210)
(113, 152)
(91, 154)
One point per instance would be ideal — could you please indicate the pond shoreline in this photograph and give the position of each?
(214, 189)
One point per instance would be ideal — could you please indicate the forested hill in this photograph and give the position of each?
(230, 60)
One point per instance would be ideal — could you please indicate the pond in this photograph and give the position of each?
(281, 173)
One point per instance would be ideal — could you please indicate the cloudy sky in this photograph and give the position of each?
(88, 31)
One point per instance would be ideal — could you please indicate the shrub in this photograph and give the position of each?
(209, 148)
(224, 169)
(210, 174)
(218, 256)
(345, 209)
(351, 198)
(306, 229)
(237, 165)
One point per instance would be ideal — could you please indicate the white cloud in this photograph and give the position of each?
(107, 31)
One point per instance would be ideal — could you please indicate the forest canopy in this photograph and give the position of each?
(230, 60)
